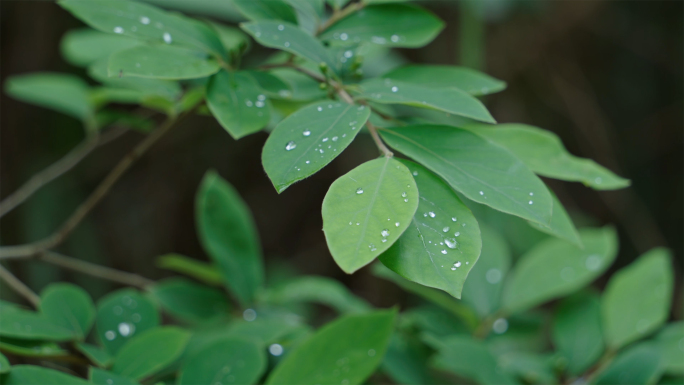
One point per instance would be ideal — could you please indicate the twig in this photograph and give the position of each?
(19, 287)
(339, 15)
(293, 66)
(378, 142)
(58, 168)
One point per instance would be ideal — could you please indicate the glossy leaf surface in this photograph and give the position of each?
(466, 79)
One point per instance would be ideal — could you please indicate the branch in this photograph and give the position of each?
(378, 142)
(19, 287)
(293, 66)
(339, 15)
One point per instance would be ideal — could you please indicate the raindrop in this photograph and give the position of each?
(324, 140)
(531, 194)
(281, 27)
(500, 326)
(431, 214)
(334, 139)
(287, 44)
(415, 173)
(593, 262)
(306, 133)
(446, 229)
(319, 108)
(118, 30)
(348, 54)
(444, 251)
(404, 195)
(359, 190)
(451, 243)
(110, 335)
(249, 103)
(284, 93)
(290, 145)
(598, 180)
(530, 202)
(126, 329)
(261, 97)
(307, 162)
(385, 233)
(395, 38)
(357, 223)
(425, 214)
(249, 315)
(259, 103)
(456, 234)
(406, 200)
(378, 40)
(167, 38)
(395, 89)
(145, 20)
(344, 36)
(493, 276)
(457, 264)
(453, 219)
(275, 349)
(481, 192)
(372, 247)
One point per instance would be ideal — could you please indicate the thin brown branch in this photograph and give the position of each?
(339, 15)
(378, 142)
(295, 67)
(19, 287)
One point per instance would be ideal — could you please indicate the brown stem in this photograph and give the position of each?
(339, 15)
(19, 287)
(378, 142)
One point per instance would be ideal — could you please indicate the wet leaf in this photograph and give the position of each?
(434, 76)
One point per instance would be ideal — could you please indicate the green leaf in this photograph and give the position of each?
(69, 307)
(577, 331)
(64, 93)
(451, 100)
(434, 76)
(483, 172)
(30, 348)
(233, 39)
(263, 330)
(309, 139)
(103, 377)
(671, 340)
(199, 270)
(543, 152)
(531, 367)
(122, 315)
(230, 360)
(303, 87)
(18, 323)
(366, 210)
(406, 361)
(148, 87)
(266, 10)
(482, 289)
(556, 268)
(322, 290)
(443, 241)
(35, 375)
(162, 62)
(228, 234)
(145, 22)
(637, 298)
(189, 301)
(95, 354)
(290, 38)
(237, 103)
(639, 364)
(561, 225)
(271, 84)
(4, 364)
(83, 47)
(150, 352)
(394, 25)
(346, 350)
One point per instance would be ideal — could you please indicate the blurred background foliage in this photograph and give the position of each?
(606, 76)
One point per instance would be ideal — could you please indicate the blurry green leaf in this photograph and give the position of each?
(556, 268)
(266, 10)
(101, 96)
(4, 364)
(530, 367)
(366, 210)
(671, 340)
(435, 320)
(481, 171)
(19, 323)
(263, 330)
(145, 22)
(109, 117)
(230, 360)
(103, 377)
(164, 88)
(482, 289)
(30, 348)
(189, 301)
(347, 349)
(434, 76)
(199, 270)
(451, 100)
(122, 315)
(161, 62)
(317, 289)
(82, 47)
(525, 332)
(95, 354)
(544, 153)
(637, 298)
(302, 86)
(577, 331)
(442, 243)
(288, 37)
(561, 225)
(406, 361)
(309, 13)
(309, 139)
(395, 25)
(150, 352)
(64, 93)
(638, 364)
(234, 40)
(228, 234)
(271, 84)
(69, 307)
(237, 103)
(35, 375)
(337, 4)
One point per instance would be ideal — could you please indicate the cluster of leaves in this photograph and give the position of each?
(315, 95)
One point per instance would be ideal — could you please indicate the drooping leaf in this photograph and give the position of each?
(189, 301)
(406, 361)
(555, 268)
(69, 307)
(577, 331)
(443, 241)
(237, 103)
(266, 10)
(95, 354)
(101, 96)
(638, 364)
(29, 325)
(228, 234)
(31, 348)
(83, 47)
(637, 298)
(234, 40)
(64, 93)
(561, 225)
(394, 25)
(481, 171)
(150, 352)
(4, 364)
(229, 360)
(36, 375)
(482, 289)
(435, 76)
(544, 153)
(122, 315)
(451, 100)
(164, 88)
(309, 13)
(322, 290)
(199, 270)
(145, 22)
(309, 139)
(346, 350)
(366, 210)
(671, 340)
(103, 377)
(162, 62)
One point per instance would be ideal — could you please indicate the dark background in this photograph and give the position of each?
(606, 76)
